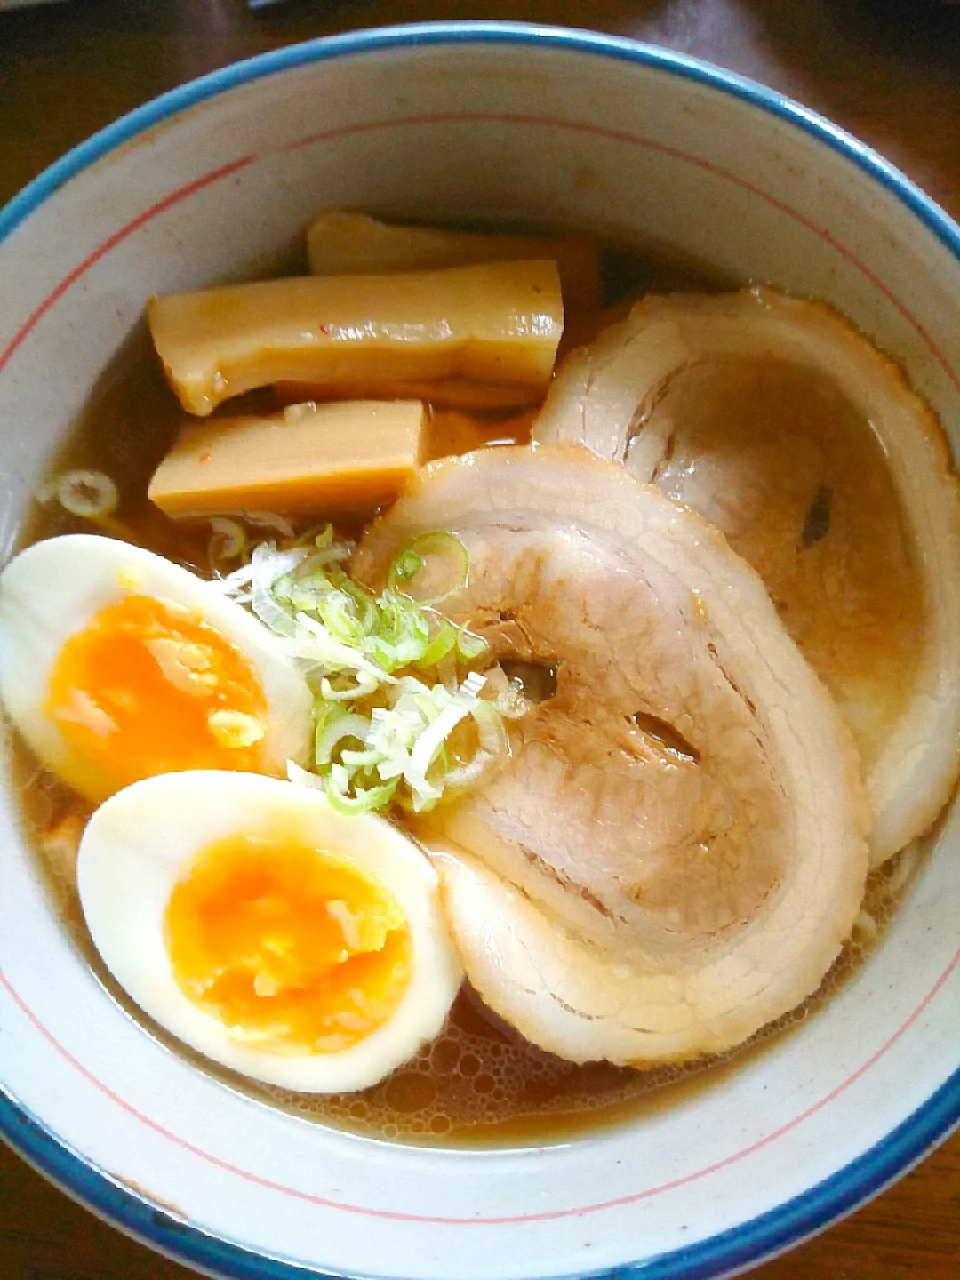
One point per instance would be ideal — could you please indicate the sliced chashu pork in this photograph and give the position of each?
(673, 853)
(789, 431)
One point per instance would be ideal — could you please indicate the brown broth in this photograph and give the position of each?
(478, 1082)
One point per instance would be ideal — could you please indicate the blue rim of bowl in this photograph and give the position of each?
(729, 1251)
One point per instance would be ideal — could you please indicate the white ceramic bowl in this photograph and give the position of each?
(434, 122)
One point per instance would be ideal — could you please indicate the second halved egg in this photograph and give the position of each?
(302, 947)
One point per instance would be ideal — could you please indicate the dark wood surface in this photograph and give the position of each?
(888, 70)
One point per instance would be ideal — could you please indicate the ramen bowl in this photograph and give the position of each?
(520, 125)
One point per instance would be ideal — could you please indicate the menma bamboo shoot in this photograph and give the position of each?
(340, 243)
(310, 460)
(496, 324)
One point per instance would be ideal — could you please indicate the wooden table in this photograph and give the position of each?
(888, 70)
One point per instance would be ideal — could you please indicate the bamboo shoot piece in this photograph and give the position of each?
(309, 460)
(353, 244)
(497, 324)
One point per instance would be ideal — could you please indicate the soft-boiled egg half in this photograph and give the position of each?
(294, 944)
(117, 665)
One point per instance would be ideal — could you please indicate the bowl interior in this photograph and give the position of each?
(511, 125)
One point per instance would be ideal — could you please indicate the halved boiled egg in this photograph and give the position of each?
(299, 946)
(117, 665)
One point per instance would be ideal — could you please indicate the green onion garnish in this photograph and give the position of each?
(383, 735)
(437, 558)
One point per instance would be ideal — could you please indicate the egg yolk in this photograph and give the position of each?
(293, 948)
(146, 687)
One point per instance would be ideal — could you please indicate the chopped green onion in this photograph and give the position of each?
(334, 730)
(470, 646)
(270, 520)
(360, 684)
(443, 549)
(405, 567)
(360, 799)
(443, 643)
(381, 733)
(334, 786)
(90, 494)
(228, 539)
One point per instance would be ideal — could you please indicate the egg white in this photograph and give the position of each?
(53, 589)
(140, 842)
